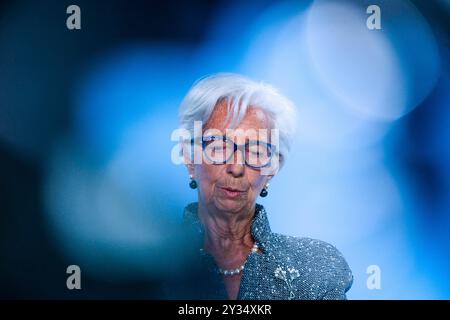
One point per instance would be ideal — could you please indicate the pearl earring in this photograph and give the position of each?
(192, 183)
(264, 191)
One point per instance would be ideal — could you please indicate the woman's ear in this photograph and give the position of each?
(188, 157)
(281, 160)
(190, 168)
(186, 153)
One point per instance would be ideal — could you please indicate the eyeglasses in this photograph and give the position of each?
(220, 150)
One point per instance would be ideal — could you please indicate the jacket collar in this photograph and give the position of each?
(260, 229)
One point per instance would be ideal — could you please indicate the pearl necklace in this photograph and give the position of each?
(238, 270)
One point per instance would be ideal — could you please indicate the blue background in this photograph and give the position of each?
(86, 118)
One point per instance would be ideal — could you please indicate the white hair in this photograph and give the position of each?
(240, 93)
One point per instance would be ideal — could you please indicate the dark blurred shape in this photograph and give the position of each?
(39, 61)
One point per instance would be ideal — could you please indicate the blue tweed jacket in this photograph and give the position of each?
(288, 268)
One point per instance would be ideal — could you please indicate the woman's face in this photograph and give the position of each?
(232, 187)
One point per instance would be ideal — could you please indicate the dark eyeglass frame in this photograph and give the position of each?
(236, 147)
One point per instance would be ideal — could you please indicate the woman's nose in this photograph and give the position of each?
(237, 166)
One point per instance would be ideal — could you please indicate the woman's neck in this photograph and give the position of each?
(226, 233)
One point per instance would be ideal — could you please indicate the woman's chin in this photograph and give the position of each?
(230, 205)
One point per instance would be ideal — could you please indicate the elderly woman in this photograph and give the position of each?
(246, 132)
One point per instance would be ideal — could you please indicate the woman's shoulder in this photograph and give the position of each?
(304, 246)
(316, 260)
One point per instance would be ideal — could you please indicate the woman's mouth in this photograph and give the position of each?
(231, 192)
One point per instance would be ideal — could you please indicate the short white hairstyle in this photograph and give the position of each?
(240, 93)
